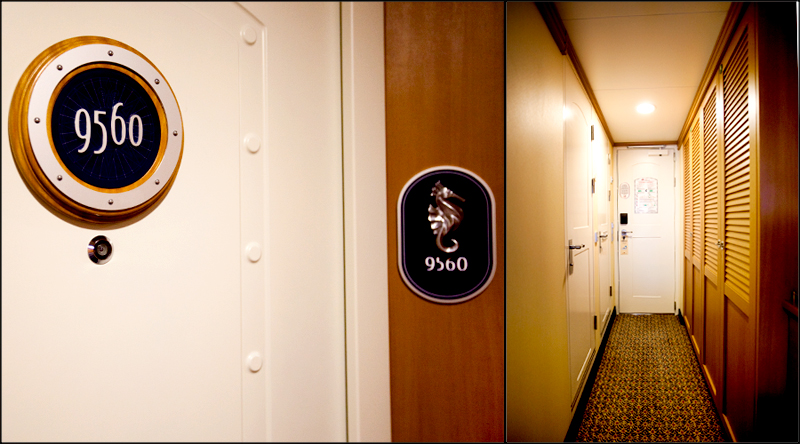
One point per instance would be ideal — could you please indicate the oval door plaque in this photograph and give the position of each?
(446, 234)
(95, 130)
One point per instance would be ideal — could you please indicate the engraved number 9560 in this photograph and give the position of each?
(87, 135)
(436, 264)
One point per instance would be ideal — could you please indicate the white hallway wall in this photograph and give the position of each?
(537, 361)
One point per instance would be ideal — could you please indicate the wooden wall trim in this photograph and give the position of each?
(735, 14)
(556, 26)
(554, 23)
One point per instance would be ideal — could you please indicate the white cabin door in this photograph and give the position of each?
(578, 245)
(646, 243)
(220, 315)
(602, 199)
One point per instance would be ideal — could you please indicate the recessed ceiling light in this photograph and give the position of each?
(645, 108)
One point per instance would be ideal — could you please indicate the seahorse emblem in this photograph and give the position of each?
(445, 216)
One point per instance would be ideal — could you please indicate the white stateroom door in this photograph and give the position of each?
(602, 199)
(646, 244)
(220, 316)
(577, 177)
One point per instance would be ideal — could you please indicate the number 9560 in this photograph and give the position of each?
(436, 264)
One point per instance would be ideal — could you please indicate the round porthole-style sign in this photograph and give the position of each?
(446, 234)
(95, 130)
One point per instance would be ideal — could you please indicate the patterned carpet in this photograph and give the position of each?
(649, 387)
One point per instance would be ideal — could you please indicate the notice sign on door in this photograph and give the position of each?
(645, 195)
(624, 190)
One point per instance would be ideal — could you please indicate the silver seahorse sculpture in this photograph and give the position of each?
(445, 216)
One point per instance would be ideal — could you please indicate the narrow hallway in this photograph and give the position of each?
(651, 167)
(649, 387)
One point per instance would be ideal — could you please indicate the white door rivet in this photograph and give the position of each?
(254, 361)
(252, 142)
(253, 251)
(249, 35)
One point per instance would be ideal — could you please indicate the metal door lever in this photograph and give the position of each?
(602, 236)
(573, 247)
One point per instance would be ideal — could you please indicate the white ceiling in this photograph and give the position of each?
(634, 52)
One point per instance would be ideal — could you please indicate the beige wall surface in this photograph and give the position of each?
(537, 372)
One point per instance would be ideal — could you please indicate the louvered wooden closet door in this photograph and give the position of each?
(710, 187)
(687, 202)
(712, 338)
(738, 214)
(697, 191)
(738, 175)
(698, 303)
(688, 303)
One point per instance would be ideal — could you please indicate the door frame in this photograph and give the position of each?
(365, 223)
(677, 223)
(570, 70)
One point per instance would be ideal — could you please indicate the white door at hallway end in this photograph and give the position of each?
(646, 221)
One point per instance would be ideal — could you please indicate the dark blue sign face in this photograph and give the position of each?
(446, 235)
(106, 128)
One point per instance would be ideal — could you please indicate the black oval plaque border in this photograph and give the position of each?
(421, 292)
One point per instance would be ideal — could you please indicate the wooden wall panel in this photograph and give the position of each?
(778, 222)
(445, 106)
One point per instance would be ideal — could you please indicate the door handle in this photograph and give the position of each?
(573, 247)
(625, 233)
(602, 236)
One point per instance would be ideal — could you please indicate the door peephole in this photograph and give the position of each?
(100, 250)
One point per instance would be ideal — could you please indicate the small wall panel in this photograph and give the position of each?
(712, 359)
(688, 302)
(698, 330)
(738, 404)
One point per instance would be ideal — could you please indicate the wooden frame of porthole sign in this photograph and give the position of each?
(95, 130)
(458, 265)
